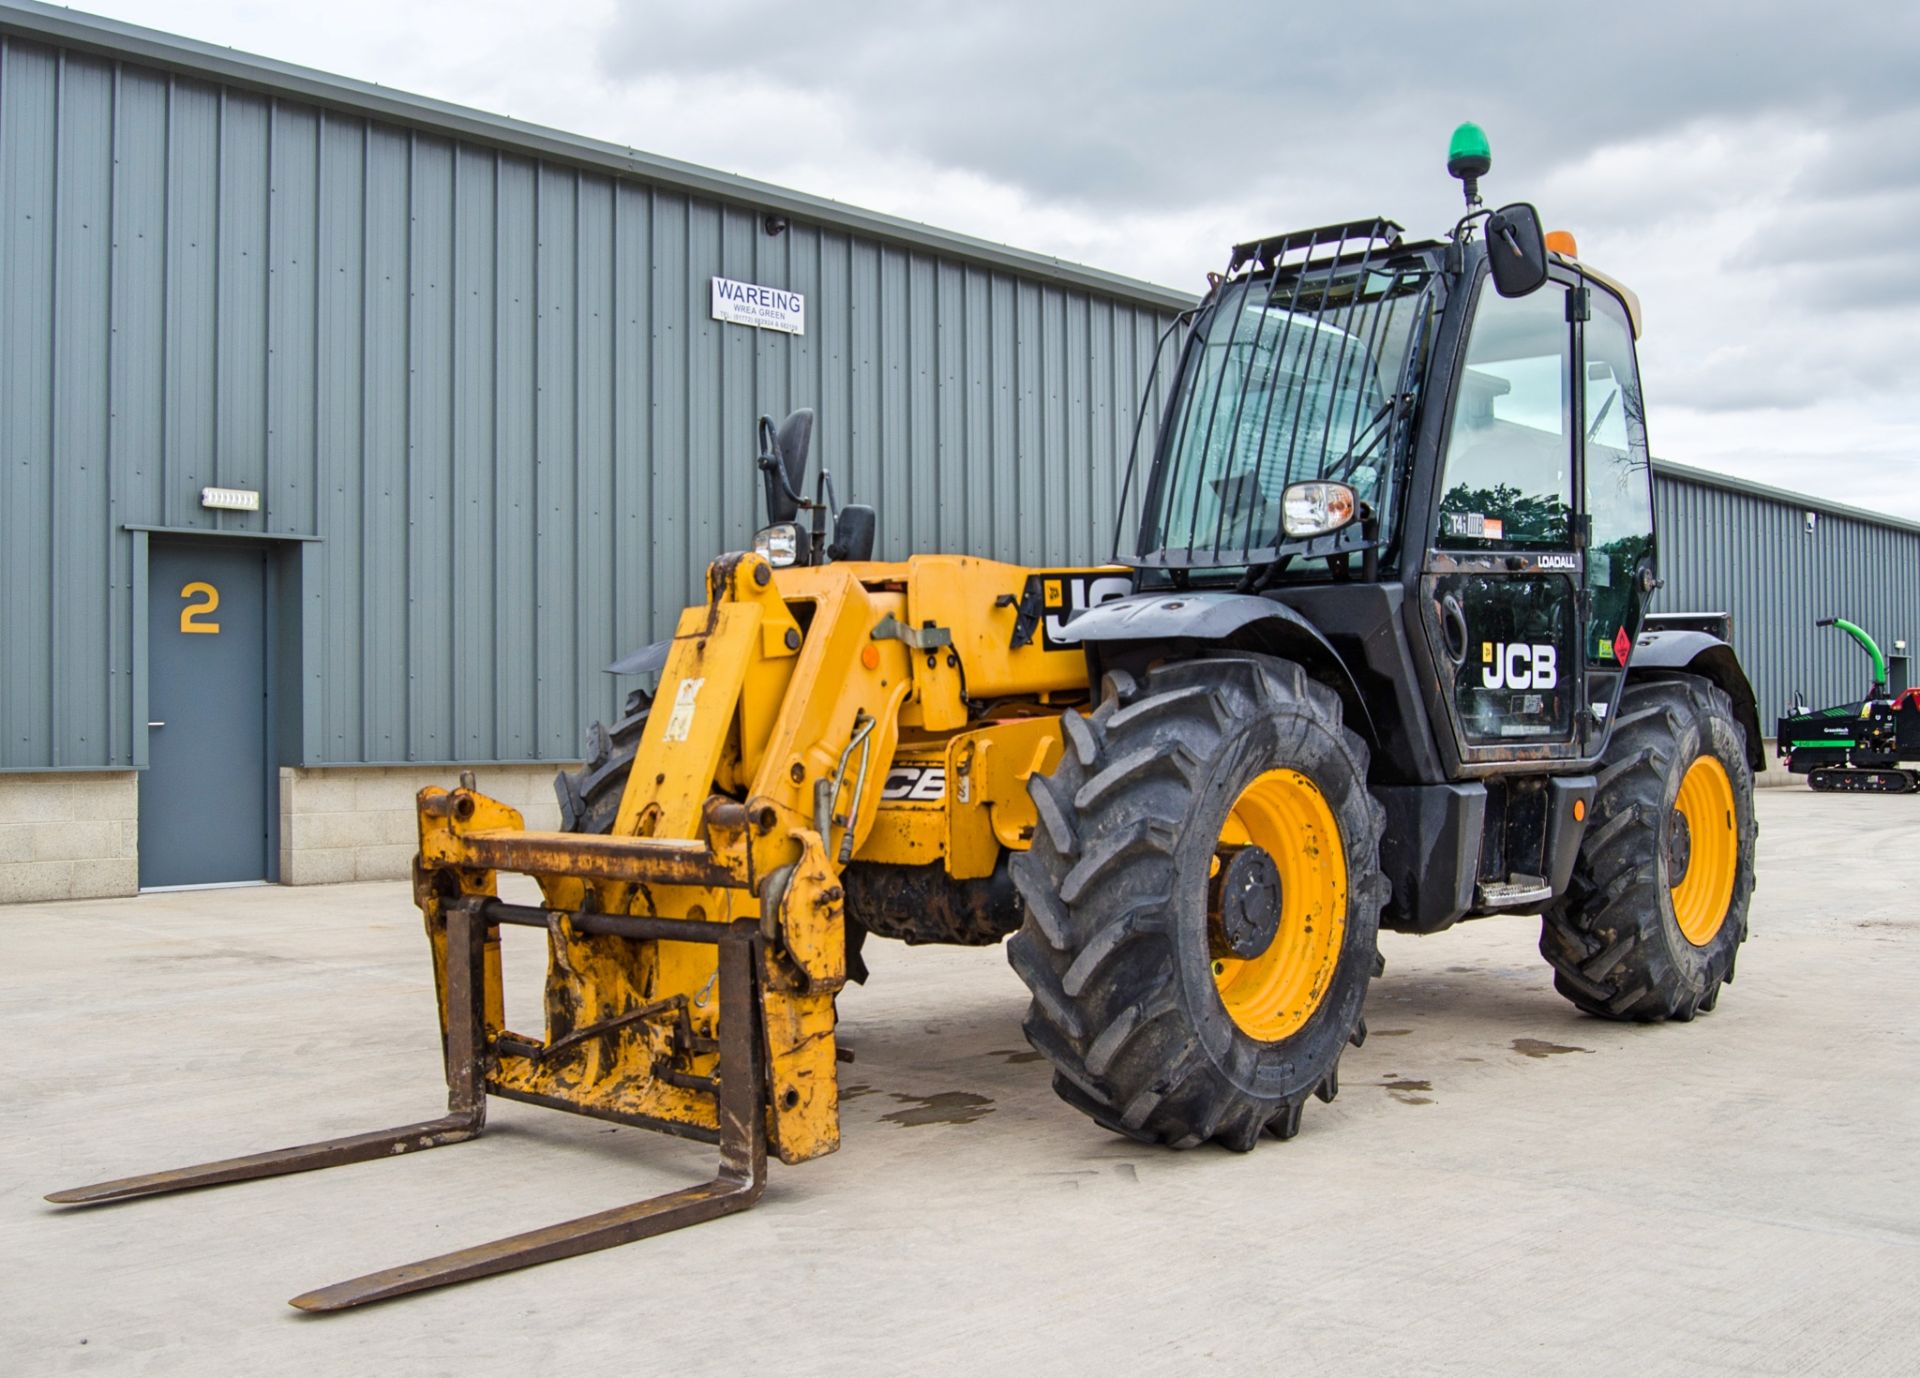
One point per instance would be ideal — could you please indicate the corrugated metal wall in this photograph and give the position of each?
(490, 384)
(1753, 556)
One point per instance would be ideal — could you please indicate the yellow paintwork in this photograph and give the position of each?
(765, 685)
(1701, 899)
(1272, 996)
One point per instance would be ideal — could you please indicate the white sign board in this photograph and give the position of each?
(769, 308)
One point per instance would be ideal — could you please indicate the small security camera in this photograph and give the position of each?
(774, 224)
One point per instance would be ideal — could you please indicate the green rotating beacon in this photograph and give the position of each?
(1871, 745)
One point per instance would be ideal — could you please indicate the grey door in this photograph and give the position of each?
(204, 794)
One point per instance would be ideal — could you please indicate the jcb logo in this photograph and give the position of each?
(1518, 665)
(1065, 596)
(916, 784)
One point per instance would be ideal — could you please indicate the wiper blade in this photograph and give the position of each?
(1350, 461)
(1605, 407)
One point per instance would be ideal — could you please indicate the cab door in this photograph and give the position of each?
(1503, 574)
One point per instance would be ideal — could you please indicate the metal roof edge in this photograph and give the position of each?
(112, 38)
(1732, 483)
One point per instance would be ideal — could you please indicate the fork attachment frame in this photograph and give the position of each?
(740, 1095)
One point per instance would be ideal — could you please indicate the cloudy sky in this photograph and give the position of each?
(1753, 171)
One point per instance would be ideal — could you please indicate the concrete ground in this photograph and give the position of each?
(1503, 1186)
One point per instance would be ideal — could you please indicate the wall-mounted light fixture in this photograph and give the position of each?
(230, 499)
(1813, 519)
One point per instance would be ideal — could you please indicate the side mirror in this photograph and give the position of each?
(783, 463)
(853, 529)
(1516, 250)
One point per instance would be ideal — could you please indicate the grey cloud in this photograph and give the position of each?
(1762, 166)
(1106, 103)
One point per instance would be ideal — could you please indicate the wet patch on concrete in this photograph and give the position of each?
(855, 1092)
(943, 1107)
(1405, 1090)
(1539, 1047)
(1015, 1055)
(1388, 1033)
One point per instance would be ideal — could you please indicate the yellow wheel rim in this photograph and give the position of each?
(1705, 802)
(1272, 995)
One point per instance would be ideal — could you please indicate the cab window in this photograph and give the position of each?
(1509, 464)
(1619, 485)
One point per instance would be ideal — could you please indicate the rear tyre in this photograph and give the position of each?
(1203, 895)
(1657, 908)
(590, 796)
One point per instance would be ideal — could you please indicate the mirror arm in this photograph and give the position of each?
(771, 464)
(822, 506)
(1463, 228)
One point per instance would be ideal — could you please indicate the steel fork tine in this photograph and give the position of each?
(356, 1148)
(466, 1102)
(741, 1179)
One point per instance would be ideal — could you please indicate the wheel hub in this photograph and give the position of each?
(1679, 847)
(1703, 850)
(1244, 912)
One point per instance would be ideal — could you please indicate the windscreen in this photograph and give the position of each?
(1283, 381)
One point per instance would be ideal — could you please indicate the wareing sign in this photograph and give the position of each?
(768, 308)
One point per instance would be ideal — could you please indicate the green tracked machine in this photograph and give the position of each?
(1870, 745)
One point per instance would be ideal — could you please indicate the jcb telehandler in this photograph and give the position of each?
(1377, 653)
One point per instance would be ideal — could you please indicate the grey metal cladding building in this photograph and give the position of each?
(469, 366)
(471, 369)
(1778, 561)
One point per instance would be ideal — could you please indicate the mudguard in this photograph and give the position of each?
(1697, 653)
(648, 660)
(1240, 621)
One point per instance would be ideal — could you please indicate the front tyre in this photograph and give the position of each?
(1657, 908)
(1203, 896)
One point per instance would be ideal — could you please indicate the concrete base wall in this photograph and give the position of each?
(69, 836)
(76, 836)
(357, 822)
(1777, 776)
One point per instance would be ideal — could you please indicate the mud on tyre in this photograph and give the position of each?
(1163, 1015)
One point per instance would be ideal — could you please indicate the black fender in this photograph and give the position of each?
(1699, 653)
(648, 660)
(1225, 621)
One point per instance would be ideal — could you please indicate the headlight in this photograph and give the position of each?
(1314, 509)
(780, 545)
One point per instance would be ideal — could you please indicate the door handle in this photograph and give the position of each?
(156, 724)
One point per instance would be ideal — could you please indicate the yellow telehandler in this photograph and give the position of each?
(1378, 653)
